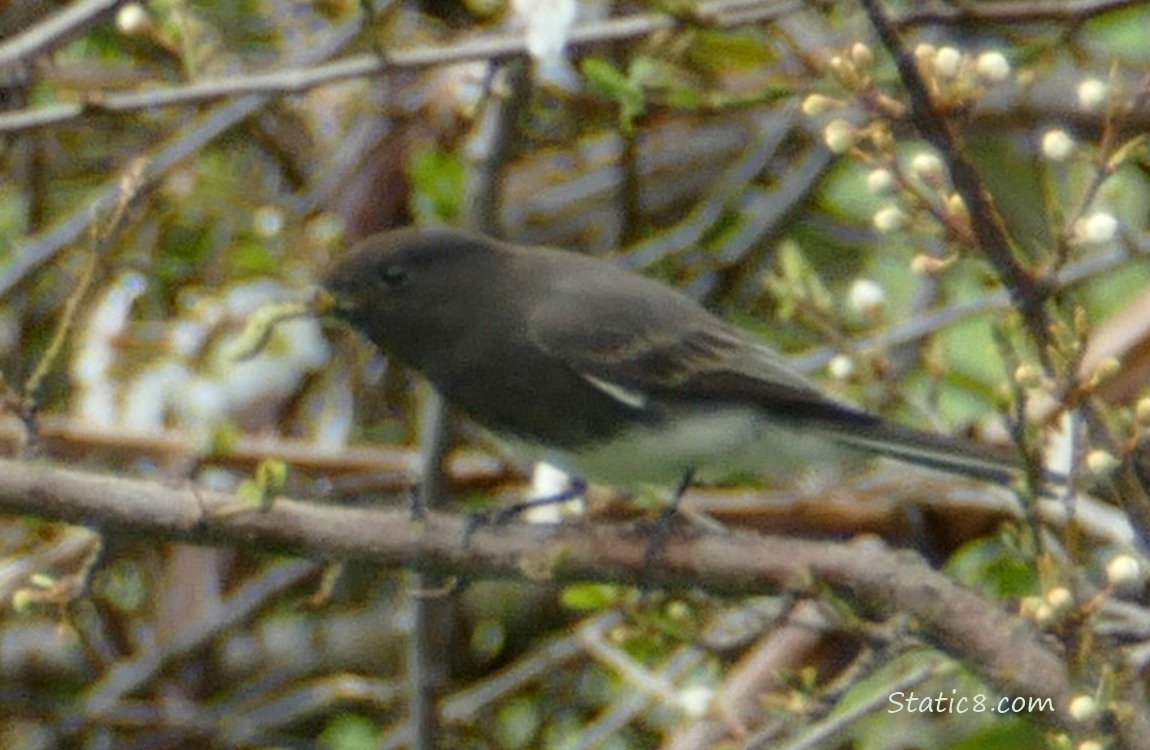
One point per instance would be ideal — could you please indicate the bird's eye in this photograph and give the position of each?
(393, 276)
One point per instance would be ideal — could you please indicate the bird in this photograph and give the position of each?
(611, 376)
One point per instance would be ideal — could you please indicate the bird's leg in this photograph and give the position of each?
(576, 488)
(684, 484)
(664, 523)
(500, 516)
(416, 506)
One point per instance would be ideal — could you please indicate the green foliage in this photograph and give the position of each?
(1006, 734)
(253, 258)
(349, 732)
(619, 87)
(590, 597)
(267, 483)
(518, 723)
(718, 52)
(796, 285)
(993, 565)
(122, 584)
(437, 177)
(1120, 35)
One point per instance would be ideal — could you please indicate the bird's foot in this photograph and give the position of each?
(497, 517)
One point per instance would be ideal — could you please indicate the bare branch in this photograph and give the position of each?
(990, 230)
(58, 28)
(500, 46)
(37, 250)
(1003, 649)
(1011, 11)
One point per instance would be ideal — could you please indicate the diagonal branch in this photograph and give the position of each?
(56, 29)
(1028, 295)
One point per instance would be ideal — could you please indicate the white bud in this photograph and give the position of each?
(1091, 94)
(839, 135)
(1045, 615)
(993, 67)
(889, 219)
(267, 221)
(1097, 228)
(1060, 598)
(947, 61)
(1123, 570)
(1029, 606)
(1057, 145)
(1083, 708)
(841, 367)
(1100, 462)
(956, 206)
(817, 104)
(132, 19)
(928, 167)
(879, 181)
(861, 55)
(695, 701)
(1028, 376)
(866, 298)
(1090, 745)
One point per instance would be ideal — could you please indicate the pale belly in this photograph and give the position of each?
(716, 443)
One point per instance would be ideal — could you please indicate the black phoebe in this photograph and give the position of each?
(610, 376)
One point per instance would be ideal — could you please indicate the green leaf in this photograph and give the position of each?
(624, 90)
(437, 180)
(589, 597)
(518, 723)
(349, 732)
(722, 51)
(993, 566)
(608, 80)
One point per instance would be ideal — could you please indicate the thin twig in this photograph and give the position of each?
(990, 230)
(494, 47)
(39, 249)
(57, 29)
(1010, 12)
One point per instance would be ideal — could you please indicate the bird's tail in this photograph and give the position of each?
(989, 463)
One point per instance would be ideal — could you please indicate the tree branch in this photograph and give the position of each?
(57, 29)
(989, 228)
(38, 249)
(1003, 649)
(492, 47)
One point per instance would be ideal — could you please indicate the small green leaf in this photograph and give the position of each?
(723, 51)
(608, 80)
(437, 179)
(589, 597)
(266, 484)
(624, 90)
(349, 732)
(995, 567)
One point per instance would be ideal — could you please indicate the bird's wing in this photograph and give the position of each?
(688, 356)
(638, 361)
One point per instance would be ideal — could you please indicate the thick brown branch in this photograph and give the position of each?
(1003, 649)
